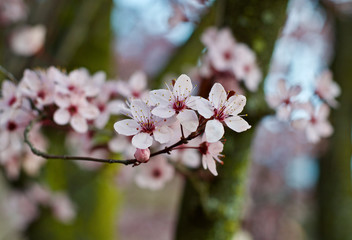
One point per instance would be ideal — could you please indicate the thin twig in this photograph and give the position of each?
(8, 74)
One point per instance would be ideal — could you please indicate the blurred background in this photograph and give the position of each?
(275, 183)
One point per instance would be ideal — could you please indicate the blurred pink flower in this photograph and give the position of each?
(211, 152)
(37, 86)
(327, 89)
(316, 125)
(12, 11)
(155, 173)
(27, 40)
(135, 88)
(282, 101)
(63, 208)
(142, 155)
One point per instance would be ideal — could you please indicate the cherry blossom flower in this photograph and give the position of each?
(78, 82)
(283, 100)
(135, 88)
(21, 211)
(211, 152)
(221, 48)
(222, 108)
(245, 67)
(178, 101)
(143, 126)
(327, 89)
(37, 86)
(63, 208)
(11, 97)
(27, 41)
(76, 111)
(12, 11)
(121, 144)
(155, 174)
(316, 125)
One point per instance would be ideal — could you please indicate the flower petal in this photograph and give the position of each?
(142, 140)
(89, 112)
(127, 127)
(62, 116)
(214, 131)
(211, 164)
(160, 97)
(163, 112)
(235, 104)
(163, 134)
(205, 108)
(183, 86)
(217, 95)
(138, 81)
(188, 119)
(140, 110)
(237, 124)
(79, 124)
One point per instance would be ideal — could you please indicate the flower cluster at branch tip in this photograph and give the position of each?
(309, 116)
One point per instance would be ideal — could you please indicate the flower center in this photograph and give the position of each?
(156, 173)
(72, 110)
(71, 88)
(227, 55)
(101, 107)
(148, 126)
(11, 126)
(219, 114)
(313, 120)
(203, 148)
(12, 101)
(287, 101)
(179, 105)
(41, 94)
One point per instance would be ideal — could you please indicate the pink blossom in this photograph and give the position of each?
(142, 155)
(222, 108)
(316, 125)
(11, 97)
(135, 88)
(327, 89)
(155, 174)
(283, 100)
(121, 144)
(211, 153)
(63, 208)
(178, 101)
(178, 16)
(143, 126)
(28, 40)
(246, 68)
(12, 11)
(76, 111)
(37, 86)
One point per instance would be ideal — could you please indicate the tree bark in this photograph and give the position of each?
(335, 186)
(256, 23)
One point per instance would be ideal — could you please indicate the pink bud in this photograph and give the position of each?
(142, 155)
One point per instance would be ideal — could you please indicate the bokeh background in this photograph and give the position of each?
(275, 185)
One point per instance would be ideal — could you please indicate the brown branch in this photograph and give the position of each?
(102, 160)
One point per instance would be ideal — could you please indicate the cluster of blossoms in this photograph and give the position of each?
(228, 62)
(80, 105)
(22, 207)
(311, 116)
(24, 40)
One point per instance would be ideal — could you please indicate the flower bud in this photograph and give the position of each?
(142, 155)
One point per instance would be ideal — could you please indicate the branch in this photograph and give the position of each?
(8, 74)
(102, 160)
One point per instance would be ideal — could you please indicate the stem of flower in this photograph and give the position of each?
(8, 74)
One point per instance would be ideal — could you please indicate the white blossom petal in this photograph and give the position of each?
(183, 86)
(89, 112)
(217, 95)
(127, 127)
(188, 119)
(214, 130)
(205, 108)
(62, 116)
(236, 104)
(79, 124)
(160, 97)
(163, 134)
(237, 124)
(163, 112)
(142, 140)
(211, 164)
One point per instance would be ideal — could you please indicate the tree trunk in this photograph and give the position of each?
(256, 23)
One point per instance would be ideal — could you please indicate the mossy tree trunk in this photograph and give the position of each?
(335, 187)
(256, 23)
